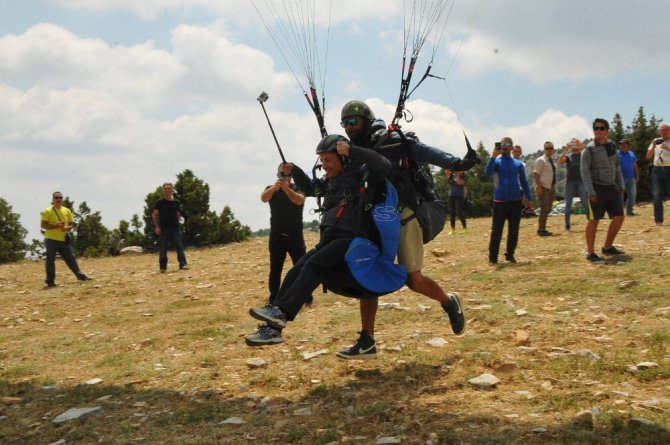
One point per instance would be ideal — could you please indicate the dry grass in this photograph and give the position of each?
(171, 355)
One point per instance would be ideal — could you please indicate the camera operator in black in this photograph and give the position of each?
(286, 206)
(345, 166)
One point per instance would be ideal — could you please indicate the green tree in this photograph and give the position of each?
(12, 234)
(639, 135)
(227, 229)
(617, 131)
(91, 239)
(194, 196)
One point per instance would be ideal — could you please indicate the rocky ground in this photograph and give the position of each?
(557, 350)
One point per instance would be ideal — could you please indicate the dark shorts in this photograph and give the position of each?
(609, 200)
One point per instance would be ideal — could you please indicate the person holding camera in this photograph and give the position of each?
(603, 180)
(458, 191)
(510, 188)
(659, 151)
(57, 222)
(574, 186)
(286, 206)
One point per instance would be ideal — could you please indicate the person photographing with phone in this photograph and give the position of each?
(574, 186)
(659, 152)
(509, 179)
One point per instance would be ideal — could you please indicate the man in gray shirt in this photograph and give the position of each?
(603, 181)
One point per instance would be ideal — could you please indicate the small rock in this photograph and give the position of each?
(522, 338)
(387, 440)
(438, 253)
(485, 381)
(507, 367)
(521, 312)
(437, 342)
(133, 250)
(540, 430)
(255, 363)
(303, 412)
(232, 421)
(77, 413)
(636, 422)
(58, 442)
(311, 355)
(646, 365)
(584, 419)
(94, 381)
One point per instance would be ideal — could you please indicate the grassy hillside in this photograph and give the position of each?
(562, 336)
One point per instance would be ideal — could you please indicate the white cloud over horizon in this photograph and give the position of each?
(107, 122)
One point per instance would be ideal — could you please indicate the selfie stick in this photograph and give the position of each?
(262, 98)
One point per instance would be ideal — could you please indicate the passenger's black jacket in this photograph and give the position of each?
(342, 216)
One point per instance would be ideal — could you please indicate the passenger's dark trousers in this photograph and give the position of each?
(456, 209)
(54, 247)
(171, 234)
(307, 274)
(504, 211)
(281, 244)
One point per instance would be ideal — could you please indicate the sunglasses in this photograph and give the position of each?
(548, 148)
(599, 128)
(349, 122)
(506, 145)
(58, 197)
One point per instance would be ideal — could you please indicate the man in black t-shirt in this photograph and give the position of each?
(286, 206)
(166, 215)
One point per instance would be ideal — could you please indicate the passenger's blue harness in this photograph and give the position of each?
(369, 270)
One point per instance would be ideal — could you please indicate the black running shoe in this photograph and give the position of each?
(593, 258)
(364, 349)
(454, 309)
(510, 258)
(265, 335)
(611, 250)
(270, 314)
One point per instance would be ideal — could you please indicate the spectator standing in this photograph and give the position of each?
(57, 222)
(574, 186)
(458, 190)
(545, 185)
(517, 152)
(628, 162)
(286, 237)
(166, 215)
(659, 152)
(604, 184)
(509, 179)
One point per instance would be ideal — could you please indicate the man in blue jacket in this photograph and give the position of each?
(509, 179)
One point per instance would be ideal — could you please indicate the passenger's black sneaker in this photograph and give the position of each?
(83, 277)
(183, 267)
(265, 335)
(364, 349)
(544, 233)
(270, 314)
(611, 250)
(510, 258)
(594, 258)
(454, 309)
(50, 284)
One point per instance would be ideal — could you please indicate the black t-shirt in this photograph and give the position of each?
(285, 216)
(168, 212)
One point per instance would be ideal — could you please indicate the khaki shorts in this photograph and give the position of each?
(410, 249)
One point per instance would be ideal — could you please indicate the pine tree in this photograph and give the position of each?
(12, 234)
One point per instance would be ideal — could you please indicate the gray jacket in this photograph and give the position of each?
(600, 167)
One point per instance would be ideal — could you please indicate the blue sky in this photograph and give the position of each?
(105, 100)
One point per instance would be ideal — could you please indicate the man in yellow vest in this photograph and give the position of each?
(57, 222)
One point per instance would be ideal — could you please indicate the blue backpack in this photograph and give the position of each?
(370, 269)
